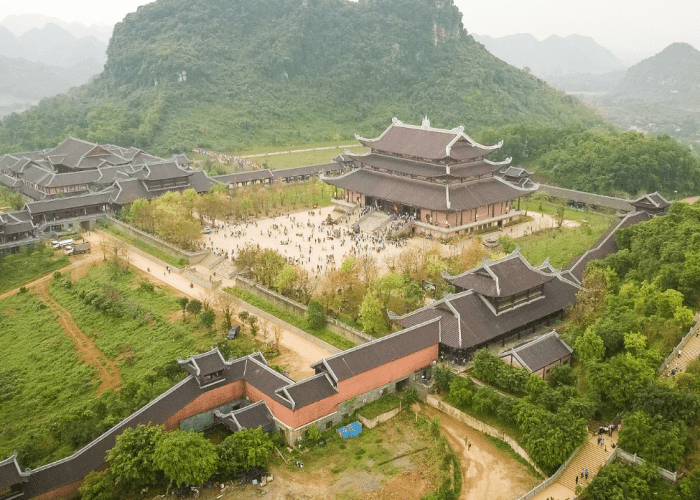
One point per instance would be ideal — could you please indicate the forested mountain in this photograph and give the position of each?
(660, 95)
(230, 73)
(672, 76)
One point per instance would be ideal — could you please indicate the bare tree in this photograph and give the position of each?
(229, 305)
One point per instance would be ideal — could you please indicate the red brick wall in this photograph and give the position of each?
(389, 372)
(205, 402)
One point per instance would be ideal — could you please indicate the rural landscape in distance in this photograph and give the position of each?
(327, 249)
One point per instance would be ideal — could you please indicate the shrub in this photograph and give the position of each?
(316, 315)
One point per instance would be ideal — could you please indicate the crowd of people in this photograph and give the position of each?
(229, 159)
(312, 240)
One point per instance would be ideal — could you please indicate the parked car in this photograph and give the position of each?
(233, 332)
(62, 243)
(206, 230)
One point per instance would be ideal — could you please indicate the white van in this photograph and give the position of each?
(62, 243)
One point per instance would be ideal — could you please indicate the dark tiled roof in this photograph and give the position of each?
(238, 177)
(10, 473)
(69, 202)
(254, 416)
(10, 182)
(427, 142)
(162, 171)
(501, 278)
(588, 198)
(311, 390)
(129, 190)
(35, 174)
(367, 356)
(286, 173)
(200, 181)
(541, 351)
(606, 244)
(70, 152)
(479, 324)
(266, 380)
(402, 165)
(203, 364)
(429, 195)
(653, 200)
(17, 228)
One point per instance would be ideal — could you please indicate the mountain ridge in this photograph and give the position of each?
(229, 75)
(18, 24)
(554, 55)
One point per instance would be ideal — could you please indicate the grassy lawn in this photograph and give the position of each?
(20, 268)
(150, 249)
(562, 245)
(41, 376)
(291, 318)
(382, 405)
(301, 159)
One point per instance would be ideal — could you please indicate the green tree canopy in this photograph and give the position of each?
(186, 457)
(244, 450)
(131, 459)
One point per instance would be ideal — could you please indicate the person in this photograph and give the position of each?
(586, 474)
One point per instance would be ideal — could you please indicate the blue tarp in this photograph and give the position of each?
(350, 430)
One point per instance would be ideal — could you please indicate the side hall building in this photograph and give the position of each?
(441, 178)
(496, 302)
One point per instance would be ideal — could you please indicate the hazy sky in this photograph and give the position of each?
(632, 30)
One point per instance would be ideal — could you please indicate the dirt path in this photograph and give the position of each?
(487, 472)
(106, 368)
(297, 353)
(79, 261)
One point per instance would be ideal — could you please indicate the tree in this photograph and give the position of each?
(562, 375)
(194, 307)
(186, 457)
(131, 459)
(228, 305)
(316, 315)
(99, 485)
(372, 315)
(207, 318)
(244, 450)
(312, 436)
(182, 302)
(589, 347)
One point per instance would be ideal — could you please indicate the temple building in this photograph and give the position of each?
(496, 302)
(441, 178)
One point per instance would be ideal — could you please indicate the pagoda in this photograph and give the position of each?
(441, 178)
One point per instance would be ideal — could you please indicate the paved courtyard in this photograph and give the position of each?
(306, 240)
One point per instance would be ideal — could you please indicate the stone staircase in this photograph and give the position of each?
(689, 352)
(592, 457)
(224, 269)
(210, 261)
(374, 221)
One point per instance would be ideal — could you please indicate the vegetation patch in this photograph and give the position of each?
(32, 262)
(291, 318)
(142, 245)
(382, 405)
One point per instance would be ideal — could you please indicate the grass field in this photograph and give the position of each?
(45, 387)
(291, 318)
(41, 376)
(382, 405)
(25, 266)
(562, 245)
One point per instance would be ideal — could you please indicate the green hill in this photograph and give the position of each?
(230, 74)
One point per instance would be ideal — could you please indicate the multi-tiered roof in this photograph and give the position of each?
(432, 168)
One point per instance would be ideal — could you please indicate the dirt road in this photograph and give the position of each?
(487, 472)
(297, 353)
(85, 347)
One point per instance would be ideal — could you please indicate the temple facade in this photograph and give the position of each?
(440, 178)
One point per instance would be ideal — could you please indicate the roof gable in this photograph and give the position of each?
(540, 351)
